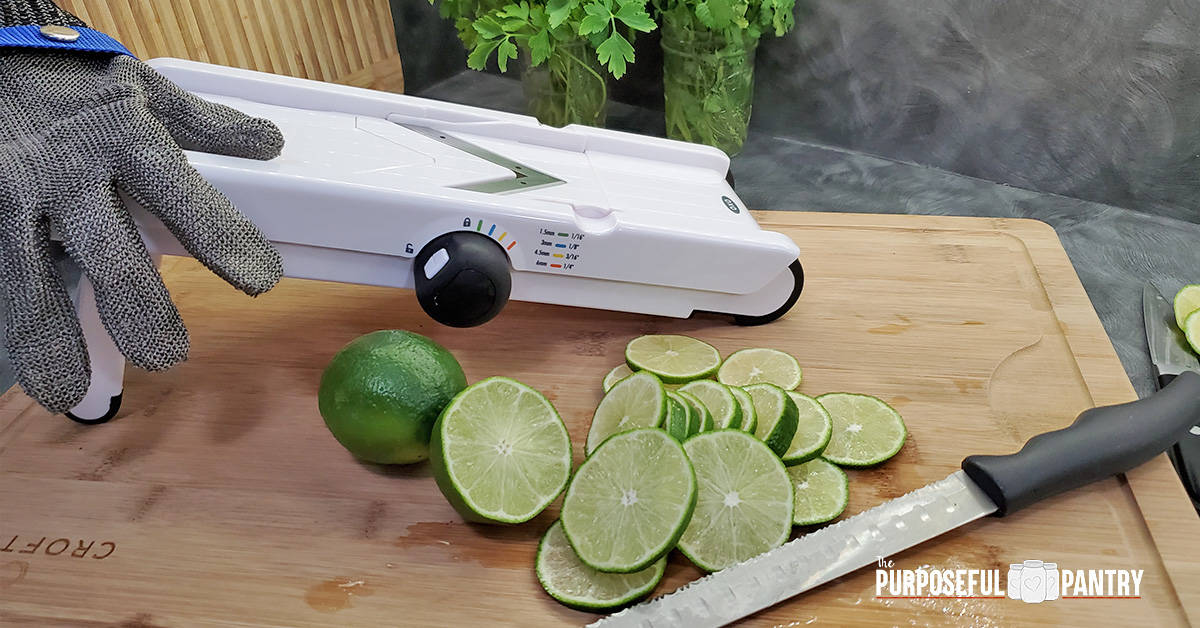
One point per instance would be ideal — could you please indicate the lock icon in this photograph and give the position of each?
(466, 222)
(408, 248)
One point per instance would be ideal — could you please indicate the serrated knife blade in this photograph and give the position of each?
(813, 559)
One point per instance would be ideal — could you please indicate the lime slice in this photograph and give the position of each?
(500, 452)
(630, 501)
(618, 373)
(760, 366)
(693, 416)
(679, 416)
(701, 411)
(1191, 329)
(674, 359)
(745, 500)
(822, 491)
(813, 429)
(1187, 300)
(718, 400)
(575, 584)
(636, 401)
(777, 416)
(866, 431)
(749, 416)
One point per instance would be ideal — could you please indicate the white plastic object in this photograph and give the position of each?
(108, 365)
(588, 217)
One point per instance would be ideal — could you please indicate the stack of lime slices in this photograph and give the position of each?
(720, 459)
(1187, 314)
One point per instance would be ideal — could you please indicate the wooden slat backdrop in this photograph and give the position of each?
(340, 41)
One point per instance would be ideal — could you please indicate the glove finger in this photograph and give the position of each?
(43, 337)
(157, 175)
(134, 305)
(197, 124)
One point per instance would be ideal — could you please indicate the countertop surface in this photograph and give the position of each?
(1115, 251)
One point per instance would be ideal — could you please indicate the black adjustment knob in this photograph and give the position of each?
(462, 279)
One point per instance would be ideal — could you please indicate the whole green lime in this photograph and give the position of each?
(382, 393)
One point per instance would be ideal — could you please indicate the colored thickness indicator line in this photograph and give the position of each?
(556, 266)
(492, 230)
(563, 235)
(512, 244)
(479, 225)
(561, 246)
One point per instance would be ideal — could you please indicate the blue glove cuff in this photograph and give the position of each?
(30, 36)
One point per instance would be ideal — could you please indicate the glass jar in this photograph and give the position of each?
(708, 83)
(567, 88)
(1052, 581)
(1014, 581)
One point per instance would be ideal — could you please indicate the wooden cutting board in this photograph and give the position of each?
(218, 497)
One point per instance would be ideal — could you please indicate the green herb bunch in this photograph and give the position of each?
(744, 18)
(708, 65)
(538, 27)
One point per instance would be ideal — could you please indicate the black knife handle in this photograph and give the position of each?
(1100, 443)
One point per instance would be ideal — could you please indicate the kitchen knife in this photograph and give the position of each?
(1170, 355)
(1100, 443)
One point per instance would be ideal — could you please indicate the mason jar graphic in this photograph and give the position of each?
(1033, 582)
(1052, 581)
(1014, 581)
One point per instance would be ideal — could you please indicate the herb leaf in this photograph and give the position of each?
(614, 52)
(634, 15)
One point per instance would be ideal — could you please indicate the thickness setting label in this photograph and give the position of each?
(560, 250)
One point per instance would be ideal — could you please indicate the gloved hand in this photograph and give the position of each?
(75, 128)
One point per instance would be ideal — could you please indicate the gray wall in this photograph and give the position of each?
(1095, 99)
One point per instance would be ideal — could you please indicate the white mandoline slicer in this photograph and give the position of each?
(471, 207)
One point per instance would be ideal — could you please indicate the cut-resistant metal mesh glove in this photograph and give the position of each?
(75, 128)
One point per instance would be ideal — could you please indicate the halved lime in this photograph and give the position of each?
(813, 429)
(701, 411)
(718, 400)
(745, 502)
(679, 416)
(866, 431)
(822, 491)
(500, 452)
(575, 584)
(674, 359)
(618, 373)
(760, 366)
(1187, 300)
(636, 401)
(749, 416)
(777, 416)
(1191, 329)
(630, 501)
